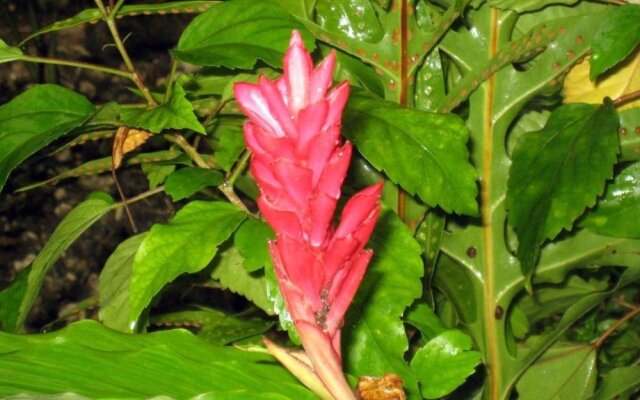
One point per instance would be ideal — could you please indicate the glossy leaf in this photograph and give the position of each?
(171, 363)
(615, 38)
(617, 212)
(374, 342)
(177, 113)
(616, 382)
(93, 15)
(72, 226)
(237, 34)
(425, 153)
(34, 119)
(251, 241)
(444, 363)
(558, 172)
(229, 271)
(185, 245)
(214, 326)
(115, 279)
(568, 372)
(9, 53)
(623, 79)
(356, 18)
(187, 181)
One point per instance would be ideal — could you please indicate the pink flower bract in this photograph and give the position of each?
(299, 164)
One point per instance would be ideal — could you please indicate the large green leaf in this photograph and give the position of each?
(35, 118)
(229, 271)
(356, 18)
(615, 38)
(236, 34)
(185, 245)
(11, 299)
(423, 152)
(568, 372)
(176, 113)
(630, 134)
(616, 214)
(616, 382)
(374, 337)
(72, 226)
(93, 361)
(9, 53)
(444, 363)
(115, 279)
(558, 172)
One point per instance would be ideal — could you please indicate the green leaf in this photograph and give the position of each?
(617, 382)
(72, 226)
(558, 172)
(425, 319)
(115, 279)
(187, 181)
(568, 372)
(444, 363)
(251, 240)
(277, 301)
(215, 326)
(90, 360)
(229, 271)
(522, 6)
(617, 212)
(423, 152)
(236, 34)
(230, 146)
(93, 15)
(156, 174)
(10, 299)
(185, 245)
(9, 53)
(375, 342)
(615, 38)
(357, 18)
(629, 134)
(177, 113)
(34, 119)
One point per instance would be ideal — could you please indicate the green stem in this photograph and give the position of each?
(141, 196)
(77, 64)
(172, 73)
(238, 168)
(109, 18)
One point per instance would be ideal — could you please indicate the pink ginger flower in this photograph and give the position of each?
(299, 164)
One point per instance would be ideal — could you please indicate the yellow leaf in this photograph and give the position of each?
(578, 88)
(125, 141)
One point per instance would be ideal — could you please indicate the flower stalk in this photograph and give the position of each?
(299, 164)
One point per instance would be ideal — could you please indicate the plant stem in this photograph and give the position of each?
(77, 64)
(188, 149)
(625, 98)
(172, 73)
(142, 196)
(238, 168)
(635, 311)
(109, 18)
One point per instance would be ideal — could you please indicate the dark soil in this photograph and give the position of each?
(27, 219)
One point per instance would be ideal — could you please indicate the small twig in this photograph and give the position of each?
(125, 202)
(625, 98)
(77, 64)
(109, 17)
(143, 195)
(635, 311)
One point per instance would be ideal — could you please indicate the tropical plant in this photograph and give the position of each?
(506, 252)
